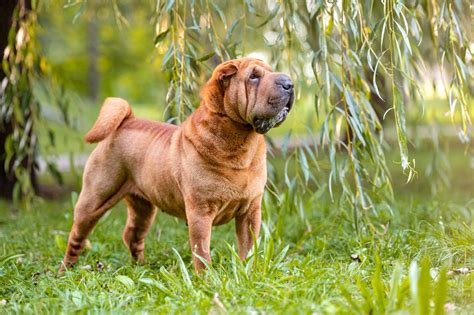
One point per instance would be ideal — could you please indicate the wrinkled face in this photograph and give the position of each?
(253, 94)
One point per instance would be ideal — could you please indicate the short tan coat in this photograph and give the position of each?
(207, 171)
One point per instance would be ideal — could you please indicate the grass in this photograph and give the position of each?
(302, 263)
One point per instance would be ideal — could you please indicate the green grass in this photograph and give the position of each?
(302, 264)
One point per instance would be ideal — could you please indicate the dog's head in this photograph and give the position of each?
(249, 92)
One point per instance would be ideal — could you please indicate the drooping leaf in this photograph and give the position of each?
(160, 37)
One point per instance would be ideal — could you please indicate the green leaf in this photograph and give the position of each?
(51, 137)
(126, 281)
(77, 298)
(206, 57)
(424, 287)
(220, 13)
(395, 287)
(378, 286)
(60, 242)
(147, 281)
(167, 57)
(405, 37)
(11, 257)
(348, 296)
(73, 199)
(160, 37)
(184, 270)
(304, 165)
(441, 291)
(270, 17)
(231, 29)
(52, 168)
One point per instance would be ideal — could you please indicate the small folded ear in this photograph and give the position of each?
(214, 90)
(224, 72)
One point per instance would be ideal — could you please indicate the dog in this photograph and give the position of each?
(207, 171)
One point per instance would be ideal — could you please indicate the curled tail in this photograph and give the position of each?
(113, 112)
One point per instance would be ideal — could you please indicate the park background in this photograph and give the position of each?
(370, 194)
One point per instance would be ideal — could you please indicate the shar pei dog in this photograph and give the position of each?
(208, 170)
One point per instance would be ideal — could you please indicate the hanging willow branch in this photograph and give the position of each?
(362, 61)
(19, 110)
(366, 59)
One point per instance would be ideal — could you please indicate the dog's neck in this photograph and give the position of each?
(216, 135)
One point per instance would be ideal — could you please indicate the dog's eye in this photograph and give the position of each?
(254, 76)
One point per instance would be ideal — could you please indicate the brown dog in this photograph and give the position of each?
(207, 171)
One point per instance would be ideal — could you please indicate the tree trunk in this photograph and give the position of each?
(8, 178)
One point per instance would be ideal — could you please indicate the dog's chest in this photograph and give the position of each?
(230, 209)
(229, 193)
(233, 195)
(235, 185)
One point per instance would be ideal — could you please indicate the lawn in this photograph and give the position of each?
(307, 260)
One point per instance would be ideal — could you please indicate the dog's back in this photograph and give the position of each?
(154, 129)
(132, 150)
(116, 114)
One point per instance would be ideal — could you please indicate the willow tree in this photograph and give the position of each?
(367, 60)
(18, 107)
(362, 61)
(22, 69)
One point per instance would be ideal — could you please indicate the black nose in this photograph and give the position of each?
(285, 82)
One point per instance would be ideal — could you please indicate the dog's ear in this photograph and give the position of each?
(214, 90)
(224, 72)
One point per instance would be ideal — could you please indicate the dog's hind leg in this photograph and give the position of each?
(141, 214)
(104, 185)
(87, 213)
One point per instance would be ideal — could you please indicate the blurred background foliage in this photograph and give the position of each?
(371, 76)
(95, 55)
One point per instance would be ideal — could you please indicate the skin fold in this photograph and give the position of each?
(207, 171)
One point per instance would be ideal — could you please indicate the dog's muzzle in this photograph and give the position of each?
(263, 125)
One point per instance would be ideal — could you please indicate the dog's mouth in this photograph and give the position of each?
(263, 125)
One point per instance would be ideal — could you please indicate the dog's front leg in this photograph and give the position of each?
(200, 226)
(246, 224)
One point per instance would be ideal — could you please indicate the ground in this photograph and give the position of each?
(308, 259)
